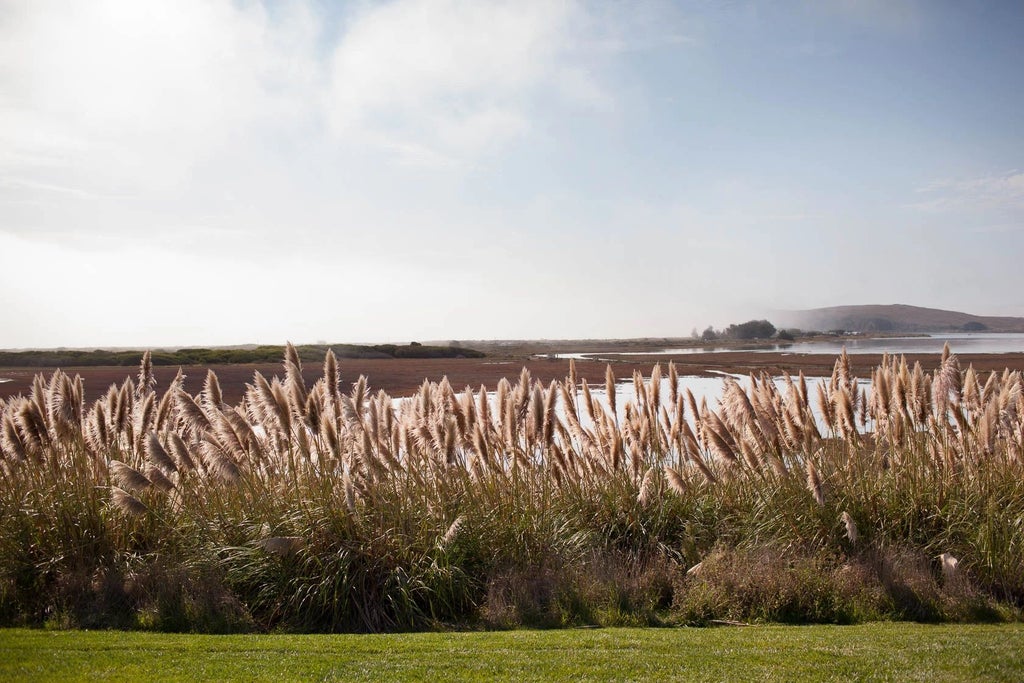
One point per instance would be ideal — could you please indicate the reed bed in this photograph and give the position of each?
(306, 508)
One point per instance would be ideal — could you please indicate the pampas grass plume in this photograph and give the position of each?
(814, 483)
(126, 502)
(851, 527)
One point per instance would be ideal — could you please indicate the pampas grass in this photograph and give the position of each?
(333, 511)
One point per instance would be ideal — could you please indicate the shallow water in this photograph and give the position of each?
(965, 342)
(703, 388)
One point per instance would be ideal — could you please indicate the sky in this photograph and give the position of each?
(209, 172)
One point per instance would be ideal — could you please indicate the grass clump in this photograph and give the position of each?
(785, 586)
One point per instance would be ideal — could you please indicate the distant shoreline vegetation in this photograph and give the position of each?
(207, 356)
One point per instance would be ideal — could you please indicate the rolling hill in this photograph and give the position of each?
(896, 318)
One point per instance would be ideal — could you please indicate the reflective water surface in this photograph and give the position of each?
(965, 342)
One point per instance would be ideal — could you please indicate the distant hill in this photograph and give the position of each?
(896, 318)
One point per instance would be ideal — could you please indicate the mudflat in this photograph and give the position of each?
(402, 377)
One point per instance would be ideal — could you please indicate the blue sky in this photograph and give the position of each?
(213, 172)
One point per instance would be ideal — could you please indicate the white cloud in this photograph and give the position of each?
(1002, 192)
(131, 96)
(164, 100)
(456, 79)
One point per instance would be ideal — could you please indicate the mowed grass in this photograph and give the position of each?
(881, 651)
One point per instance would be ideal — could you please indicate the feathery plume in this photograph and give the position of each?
(825, 406)
(802, 386)
(281, 407)
(673, 383)
(588, 401)
(453, 531)
(126, 502)
(359, 391)
(180, 452)
(550, 401)
(143, 418)
(719, 446)
(947, 383)
(158, 454)
(331, 377)
(11, 440)
(609, 388)
(971, 390)
(814, 483)
(654, 390)
(129, 477)
(32, 425)
(122, 407)
(190, 411)
(159, 479)
(217, 460)
(163, 410)
(646, 488)
(675, 480)
(480, 443)
(146, 379)
(483, 408)
(851, 527)
(536, 422)
(295, 384)
(212, 396)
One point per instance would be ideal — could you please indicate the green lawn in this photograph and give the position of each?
(891, 652)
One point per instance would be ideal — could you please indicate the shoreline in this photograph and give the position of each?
(403, 377)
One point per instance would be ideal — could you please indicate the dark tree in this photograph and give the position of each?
(752, 329)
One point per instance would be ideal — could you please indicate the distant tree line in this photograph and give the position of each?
(313, 353)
